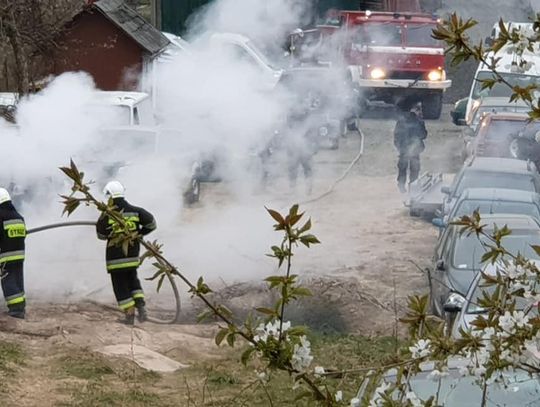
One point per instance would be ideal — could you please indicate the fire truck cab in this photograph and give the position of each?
(393, 58)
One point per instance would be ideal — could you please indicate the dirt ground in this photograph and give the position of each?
(361, 276)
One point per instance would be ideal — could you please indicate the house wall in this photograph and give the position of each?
(95, 45)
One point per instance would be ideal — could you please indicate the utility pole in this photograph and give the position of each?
(156, 13)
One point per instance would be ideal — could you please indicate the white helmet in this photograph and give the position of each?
(4, 195)
(114, 189)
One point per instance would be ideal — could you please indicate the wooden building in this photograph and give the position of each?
(111, 42)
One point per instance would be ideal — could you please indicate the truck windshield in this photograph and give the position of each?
(419, 35)
(501, 89)
(378, 34)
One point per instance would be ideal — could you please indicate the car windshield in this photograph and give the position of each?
(468, 250)
(456, 391)
(500, 130)
(501, 89)
(480, 290)
(378, 34)
(486, 206)
(491, 179)
(420, 35)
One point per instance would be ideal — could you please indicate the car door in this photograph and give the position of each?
(438, 289)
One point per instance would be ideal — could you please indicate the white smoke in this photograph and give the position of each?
(214, 102)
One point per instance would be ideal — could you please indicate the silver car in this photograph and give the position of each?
(465, 309)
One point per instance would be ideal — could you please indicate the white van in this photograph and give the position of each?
(506, 68)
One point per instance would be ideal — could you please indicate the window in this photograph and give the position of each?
(485, 206)
(377, 34)
(419, 35)
(501, 89)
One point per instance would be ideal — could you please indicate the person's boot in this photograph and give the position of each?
(129, 316)
(402, 188)
(17, 313)
(142, 315)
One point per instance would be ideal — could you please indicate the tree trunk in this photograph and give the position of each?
(22, 71)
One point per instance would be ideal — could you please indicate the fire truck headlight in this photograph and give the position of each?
(437, 75)
(378, 73)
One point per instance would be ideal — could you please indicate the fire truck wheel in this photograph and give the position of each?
(432, 106)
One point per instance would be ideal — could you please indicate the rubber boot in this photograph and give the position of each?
(129, 316)
(142, 315)
(17, 313)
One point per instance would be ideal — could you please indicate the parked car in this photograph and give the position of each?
(464, 309)
(492, 201)
(504, 135)
(457, 257)
(455, 390)
(487, 172)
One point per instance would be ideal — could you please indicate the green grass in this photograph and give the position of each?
(11, 355)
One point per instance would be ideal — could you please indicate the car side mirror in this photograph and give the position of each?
(454, 303)
(446, 190)
(439, 222)
(440, 264)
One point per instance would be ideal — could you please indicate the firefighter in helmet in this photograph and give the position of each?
(12, 255)
(409, 135)
(121, 265)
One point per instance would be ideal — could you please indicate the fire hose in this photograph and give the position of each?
(345, 173)
(176, 318)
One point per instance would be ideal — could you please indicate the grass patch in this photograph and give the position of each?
(11, 354)
(86, 366)
(99, 394)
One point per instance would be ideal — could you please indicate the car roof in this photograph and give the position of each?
(500, 101)
(519, 224)
(497, 164)
(500, 194)
(507, 116)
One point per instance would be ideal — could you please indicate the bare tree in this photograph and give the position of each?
(28, 29)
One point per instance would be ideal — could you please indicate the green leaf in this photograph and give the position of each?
(306, 227)
(247, 354)
(160, 282)
(221, 335)
(301, 292)
(203, 316)
(276, 215)
(231, 338)
(307, 240)
(266, 311)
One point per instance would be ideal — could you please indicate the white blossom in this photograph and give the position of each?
(413, 399)
(355, 402)
(339, 396)
(271, 329)
(319, 370)
(421, 349)
(301, 358)
(377, 400)
(437, 374)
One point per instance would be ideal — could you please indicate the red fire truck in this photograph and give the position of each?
(393, 58)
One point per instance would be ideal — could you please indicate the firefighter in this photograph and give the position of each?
(301, 145)
(12, 256)
(123, 266)
(409, 135)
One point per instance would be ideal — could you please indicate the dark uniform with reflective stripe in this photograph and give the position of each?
(121, 266)
(12, 258)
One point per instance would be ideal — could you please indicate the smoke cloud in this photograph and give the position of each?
(212, 102)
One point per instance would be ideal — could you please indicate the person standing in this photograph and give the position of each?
(12, 246)
(122, 266)
(409, 135)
